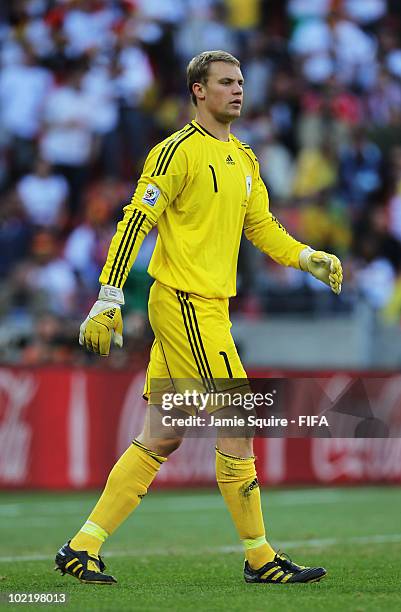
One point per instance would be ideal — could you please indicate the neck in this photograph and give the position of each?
(219, 130)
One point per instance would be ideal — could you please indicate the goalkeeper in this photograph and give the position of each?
(202, 188)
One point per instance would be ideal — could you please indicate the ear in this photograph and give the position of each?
(199, 91)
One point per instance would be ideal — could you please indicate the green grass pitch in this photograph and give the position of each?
(179, 551)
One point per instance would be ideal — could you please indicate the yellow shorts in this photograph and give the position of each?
(192, 342)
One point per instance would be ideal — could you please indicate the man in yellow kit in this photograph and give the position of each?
(202, 188)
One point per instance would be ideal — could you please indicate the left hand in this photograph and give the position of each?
(323, 266)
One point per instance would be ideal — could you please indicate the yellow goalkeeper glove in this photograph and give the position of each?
(103, 322)
(323, 266)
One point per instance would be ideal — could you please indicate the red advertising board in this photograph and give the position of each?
(63, 428)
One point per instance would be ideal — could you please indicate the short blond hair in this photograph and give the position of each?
(198, 67)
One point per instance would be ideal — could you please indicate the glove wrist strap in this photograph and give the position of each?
(111, 294)
(303, 258)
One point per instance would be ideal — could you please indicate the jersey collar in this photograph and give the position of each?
(205, 132)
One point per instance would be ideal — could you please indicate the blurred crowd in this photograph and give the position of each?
(88, 86)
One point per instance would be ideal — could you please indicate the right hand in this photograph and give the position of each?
(103, 322)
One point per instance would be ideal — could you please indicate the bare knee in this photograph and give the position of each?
(239, 447)
(161, 446)
(168, 446)
(156, 436)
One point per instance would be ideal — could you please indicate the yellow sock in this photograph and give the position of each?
(127, 483)
(89, 538)
(238, 484)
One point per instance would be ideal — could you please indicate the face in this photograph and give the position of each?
(222, 95)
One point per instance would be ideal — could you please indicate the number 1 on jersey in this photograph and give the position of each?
(214, 178)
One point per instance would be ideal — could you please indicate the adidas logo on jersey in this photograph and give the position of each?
(229, 160)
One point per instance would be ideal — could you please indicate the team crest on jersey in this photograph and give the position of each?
(248, 184)
(151, 195)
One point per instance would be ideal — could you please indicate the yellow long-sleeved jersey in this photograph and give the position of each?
(202, 193)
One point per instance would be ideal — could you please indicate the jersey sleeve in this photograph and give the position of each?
(265, 231)
(162, 180)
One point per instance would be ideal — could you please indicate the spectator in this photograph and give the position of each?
(15, 234)
(257, 71)
(391, 312)
(325, 224)
(316, 171)
(374, 275)
(43, 196)
(384, 100)
(87, 245)
(133, 79)
(87, 26)
(50, 275)
(205, 29)
(99, 87)
(303, 9)
(67, 140)
(394, 208)
(39, 346)
(366, 12)
(360, 170)
(332, 45)
(277, 168)
(24, 86)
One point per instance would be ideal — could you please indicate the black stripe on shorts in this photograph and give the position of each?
(192, 340)
(211, 381)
